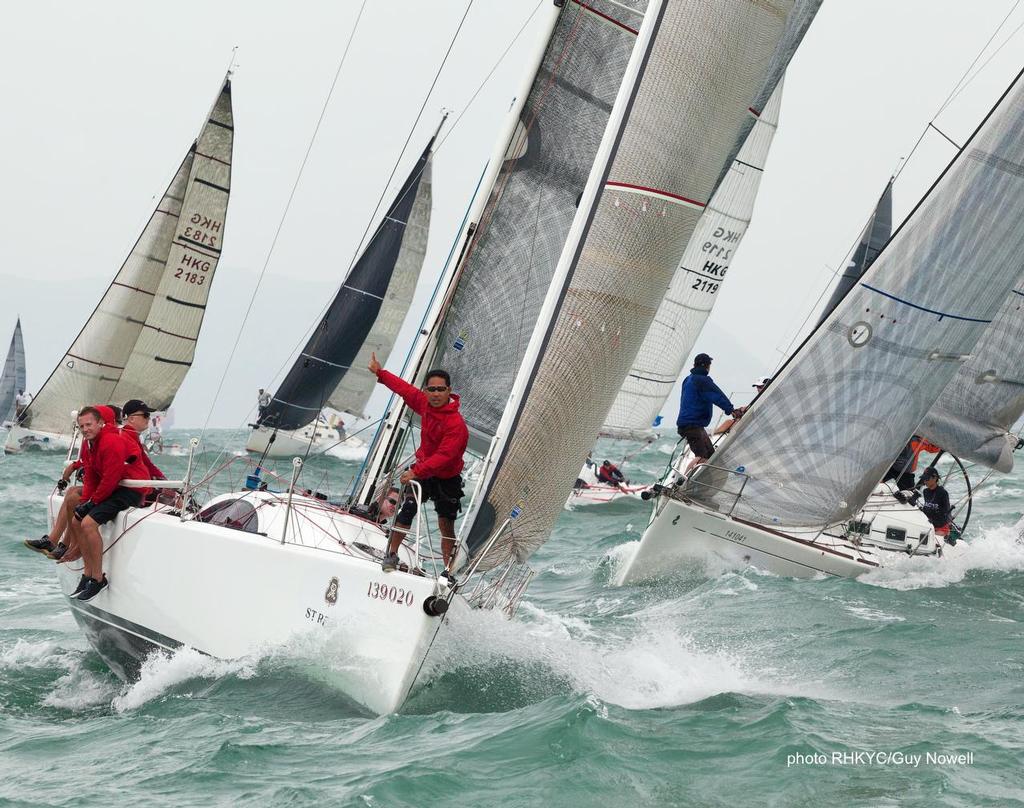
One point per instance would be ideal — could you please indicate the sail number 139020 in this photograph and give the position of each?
(391, 594)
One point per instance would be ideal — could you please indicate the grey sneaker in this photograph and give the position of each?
(390, 562)
(92, 588)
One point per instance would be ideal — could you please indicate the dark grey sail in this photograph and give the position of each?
(13, 378)
(876, 232)
(334, 346)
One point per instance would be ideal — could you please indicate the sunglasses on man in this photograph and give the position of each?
(143, 414)
(436, 388)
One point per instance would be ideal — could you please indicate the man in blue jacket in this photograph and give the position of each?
(696, 406)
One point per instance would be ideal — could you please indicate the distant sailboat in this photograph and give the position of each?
(365, 316)
(12, 380)
(140, 340)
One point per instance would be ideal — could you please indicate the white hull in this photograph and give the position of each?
(682, 534)
(230, 593)
(296, 444)
(602, 495)
(20, 439)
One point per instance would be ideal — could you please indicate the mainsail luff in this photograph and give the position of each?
(647, 205)
(974, 415)
(96, 363)
(342, 337)
(873, 238)
(13, 378)
(695, 286)
(814, 445)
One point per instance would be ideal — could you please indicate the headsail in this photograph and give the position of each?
(695, 286)
(365, 315)
(680, 110)
(814, 445)
(140, 340)
(974, 415)
(876, 232)
(13, 378)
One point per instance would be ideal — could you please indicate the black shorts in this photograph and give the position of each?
(697, 437)
(446, 495)
(120, 500)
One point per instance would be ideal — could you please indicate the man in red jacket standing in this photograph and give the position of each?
(438, 466)
(106, 464)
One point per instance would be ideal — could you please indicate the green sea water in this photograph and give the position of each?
(724, 689)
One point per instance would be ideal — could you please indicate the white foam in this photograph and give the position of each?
(27, 654)
(81, 689)
(998, 550)
(161, 672)
(651, 665)
(346, 452)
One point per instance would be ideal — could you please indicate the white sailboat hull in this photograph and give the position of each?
(20, 439)
(231, 593)
(296, 444)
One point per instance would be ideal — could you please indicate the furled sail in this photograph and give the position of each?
(974, 415)
(364, 316)
(876, 232)
(13, 378)
(696, 68)
(695, 285)
(814, 445)
(140, 340)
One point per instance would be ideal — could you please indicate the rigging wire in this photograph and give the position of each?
(440, 142)
(284, 215)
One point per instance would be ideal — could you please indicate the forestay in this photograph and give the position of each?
(140, 340)
(676, 120)
(874, 236)
(974, 415)
(815, 444)
(695, 286)
(13, 378)
(364, 316)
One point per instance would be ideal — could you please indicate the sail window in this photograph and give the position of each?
(236, 514)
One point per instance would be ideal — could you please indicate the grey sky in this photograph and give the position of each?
(102, 99)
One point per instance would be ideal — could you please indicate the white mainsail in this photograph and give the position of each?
(13, 378)
(695, 285)
(974, 415)
(140, 340)
(814, 445)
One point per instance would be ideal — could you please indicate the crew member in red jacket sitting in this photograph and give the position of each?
(136, 421)
(438, 466)
(106, 465)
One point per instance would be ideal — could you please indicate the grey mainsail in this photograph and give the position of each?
(364, 316)
(876, 232)
(680, 114)
(813, 446)
(140, 340)
(13, 378)
(974, 415)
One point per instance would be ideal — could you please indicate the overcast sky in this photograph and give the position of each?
(101, 100)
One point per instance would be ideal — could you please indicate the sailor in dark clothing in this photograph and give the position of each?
(698, 399)
(936, 505)
(902, 469)
(609, 474)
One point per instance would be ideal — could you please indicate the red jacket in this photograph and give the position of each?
(443, 432)
(106, 462)
(136, 448)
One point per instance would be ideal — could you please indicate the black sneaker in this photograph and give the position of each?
(43, 545)
(390, 562)
(92, 588)
(57, 553)
(449, 578)
(81, 585)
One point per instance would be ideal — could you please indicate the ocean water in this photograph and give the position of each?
(738, 688)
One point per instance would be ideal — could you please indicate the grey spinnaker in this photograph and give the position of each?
(140, 340)
(974, 415)
(13, 378)
(315, 380)
(814, 445)
(874, 236)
